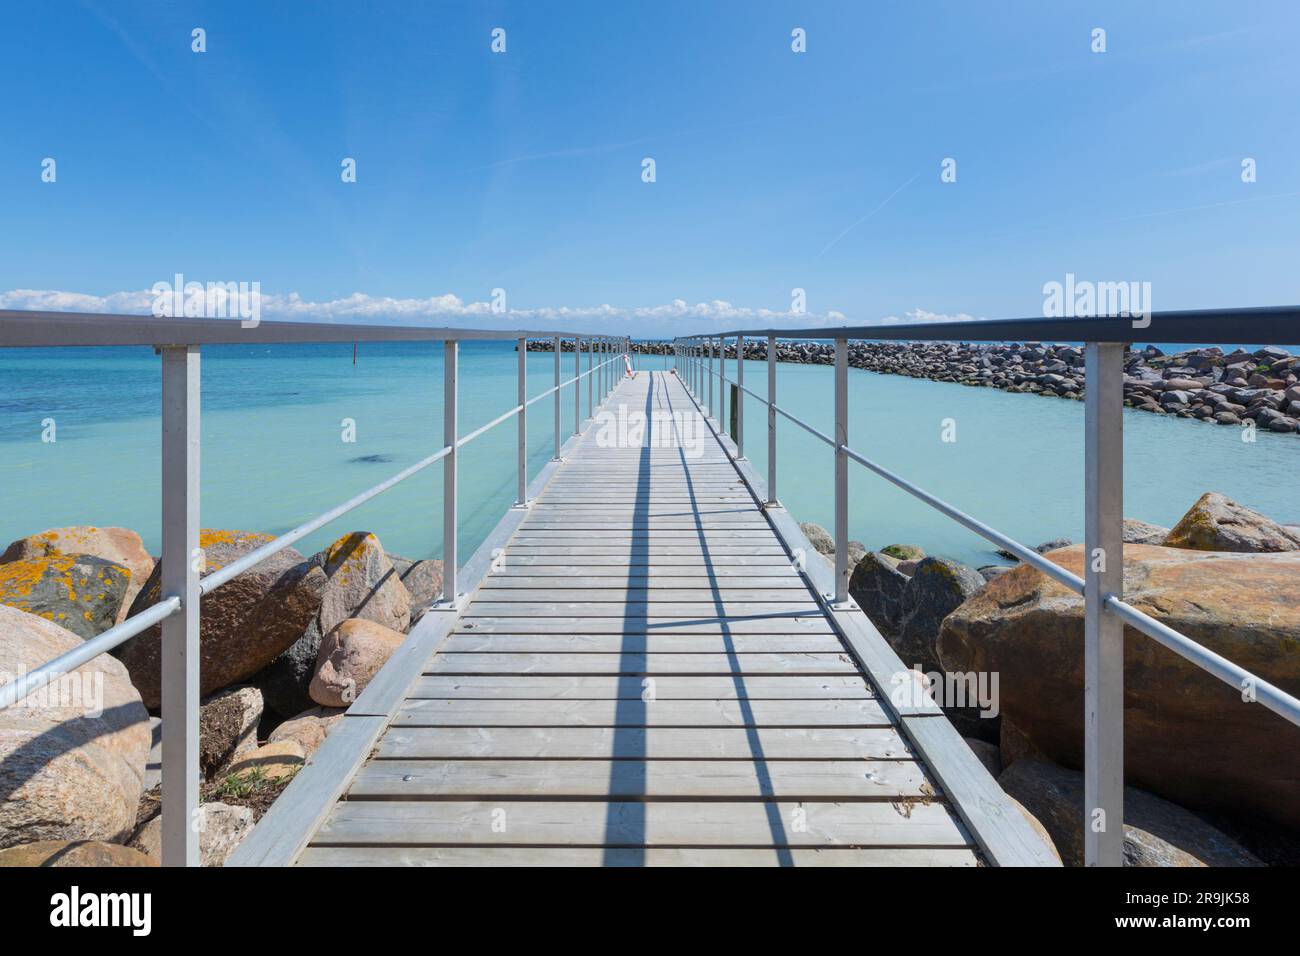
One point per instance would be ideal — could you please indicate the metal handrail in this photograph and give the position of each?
(22, 328)
(178, 342)
(1105, 611)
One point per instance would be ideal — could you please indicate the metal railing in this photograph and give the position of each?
(179, 341)
(1102, 587)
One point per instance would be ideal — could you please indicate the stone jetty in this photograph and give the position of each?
(1255, 389)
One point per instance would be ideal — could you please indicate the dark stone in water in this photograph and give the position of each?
(372, 459)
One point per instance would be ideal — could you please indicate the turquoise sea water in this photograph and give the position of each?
(273, 454)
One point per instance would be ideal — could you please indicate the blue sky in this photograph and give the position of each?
(774, 170)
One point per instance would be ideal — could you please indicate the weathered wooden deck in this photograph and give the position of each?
(642, 677)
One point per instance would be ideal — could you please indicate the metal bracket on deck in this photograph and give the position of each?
(457, 605)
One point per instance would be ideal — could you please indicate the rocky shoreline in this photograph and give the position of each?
(1200, 763)
(1261, 388)
(288, 645)
(285, 648)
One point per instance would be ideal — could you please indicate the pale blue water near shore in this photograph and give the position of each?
(273, 455)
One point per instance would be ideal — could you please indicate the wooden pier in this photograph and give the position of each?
(647, 670)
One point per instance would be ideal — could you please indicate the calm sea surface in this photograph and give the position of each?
(274, 455)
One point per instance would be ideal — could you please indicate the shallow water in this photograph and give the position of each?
(274, 455)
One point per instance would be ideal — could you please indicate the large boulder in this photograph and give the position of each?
(1188, 737)
(422, 579)
(77, 591)
(72, 755)
(1156, 832)
(118, 545)
(78, 853)
(818, 537)
(938, 587)
(350, 656)
(362, 583)
(1217, 523)
(877, 586)
(245, 624)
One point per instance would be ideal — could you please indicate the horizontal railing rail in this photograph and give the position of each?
(27, 329)
(179, 342)
(1105, 612)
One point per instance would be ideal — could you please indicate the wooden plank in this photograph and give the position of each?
(661, 518)
(649, 518)
(651, 553)
(637, 779)
(639, 663)
(637, 624)
(639, 743)
(632, 688)
(623, 857)
(729, 566)
(670, 823)
(859, 712)
(691, 507)
(648, 534)
(618, 579)
(727, 611)
(471, 643)
(632, 597)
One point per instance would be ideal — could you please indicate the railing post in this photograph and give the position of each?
(591, 377)
(577, 385)
(1103, 825)
(556, 343)
(521, 495)
(841, 471)
(771, 420)
(710, 413)
(450, 355)
(740, 396)
(181, 563)
(722, 383)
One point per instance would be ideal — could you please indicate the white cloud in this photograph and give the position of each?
(677, 317)
(923, 315)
